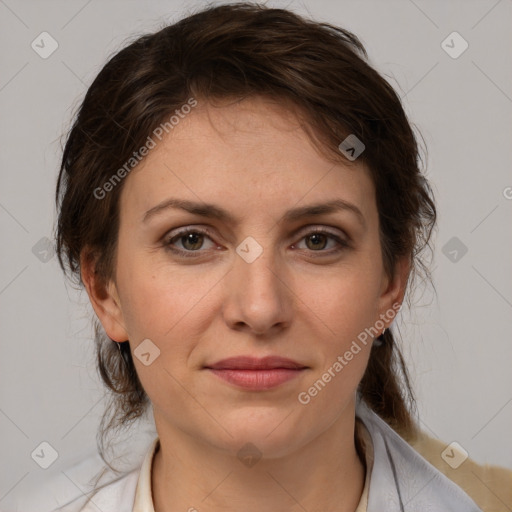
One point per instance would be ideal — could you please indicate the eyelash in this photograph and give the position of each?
(190, 254)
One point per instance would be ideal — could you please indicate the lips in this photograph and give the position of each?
(253, 363)
(255, 374)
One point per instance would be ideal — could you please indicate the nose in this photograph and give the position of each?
(259, 298)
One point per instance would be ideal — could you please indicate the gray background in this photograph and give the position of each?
(457, 343)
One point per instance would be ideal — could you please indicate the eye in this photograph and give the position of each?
(190, 239)
(318, 239)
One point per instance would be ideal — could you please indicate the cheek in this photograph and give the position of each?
(170, 307)
(345, 302)
(148, 307)
(153, 297)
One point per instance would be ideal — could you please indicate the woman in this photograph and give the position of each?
(240, 197)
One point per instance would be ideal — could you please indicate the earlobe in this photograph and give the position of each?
(104, 298)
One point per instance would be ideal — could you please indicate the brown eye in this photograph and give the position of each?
(192, 241)
(318, 241)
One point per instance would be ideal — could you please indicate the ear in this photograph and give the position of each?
(393, 289)
(104, 298)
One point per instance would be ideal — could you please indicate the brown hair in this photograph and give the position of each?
(232, 52)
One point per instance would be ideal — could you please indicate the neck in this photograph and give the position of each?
(325, 474)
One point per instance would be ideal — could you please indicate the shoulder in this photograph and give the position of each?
(489, 486)
(87, 485)
(116, 495)
(111, 493)
(401, 479)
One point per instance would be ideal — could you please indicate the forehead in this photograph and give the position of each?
(244, 155)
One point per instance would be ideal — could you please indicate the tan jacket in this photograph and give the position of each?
(489, 486)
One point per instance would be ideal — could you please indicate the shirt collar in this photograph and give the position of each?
(143, 495)
(401, 479)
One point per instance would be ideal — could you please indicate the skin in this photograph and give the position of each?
(298, 299)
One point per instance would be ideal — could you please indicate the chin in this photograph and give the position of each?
(265, 430)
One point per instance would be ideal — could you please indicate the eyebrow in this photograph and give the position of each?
(216, 212)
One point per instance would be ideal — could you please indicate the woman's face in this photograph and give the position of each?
(259, 284)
